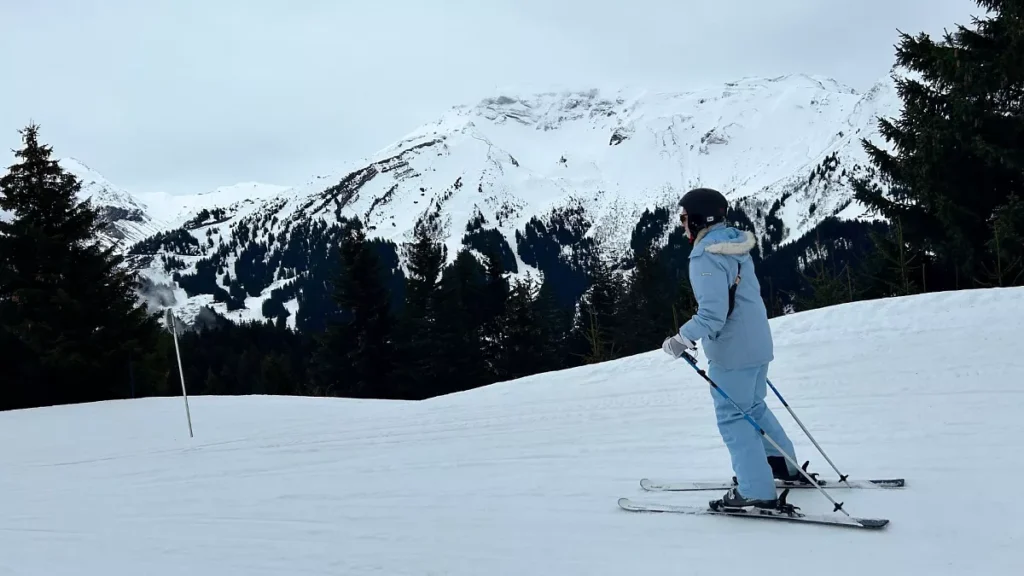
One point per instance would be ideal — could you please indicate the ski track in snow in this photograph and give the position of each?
(522, 477)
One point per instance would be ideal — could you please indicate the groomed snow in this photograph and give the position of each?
(521, 478)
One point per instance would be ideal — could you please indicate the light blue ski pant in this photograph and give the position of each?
(747, 449)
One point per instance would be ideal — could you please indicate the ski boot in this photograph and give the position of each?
(733, 500)
(780, 471)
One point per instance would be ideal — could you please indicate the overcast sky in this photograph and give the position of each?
(186, 95)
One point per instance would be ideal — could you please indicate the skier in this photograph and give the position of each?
(732, 321)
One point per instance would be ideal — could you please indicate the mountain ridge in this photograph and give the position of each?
(573, 170)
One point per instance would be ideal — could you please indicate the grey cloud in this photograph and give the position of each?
(185, 95)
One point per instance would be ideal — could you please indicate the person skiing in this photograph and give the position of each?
(732, 322)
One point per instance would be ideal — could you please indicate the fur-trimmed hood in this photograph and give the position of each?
(723, 240)
(732, 324)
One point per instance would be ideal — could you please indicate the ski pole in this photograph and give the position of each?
(693, 363)
(842, 477)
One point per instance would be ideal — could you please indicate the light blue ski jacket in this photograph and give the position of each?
(744, 338)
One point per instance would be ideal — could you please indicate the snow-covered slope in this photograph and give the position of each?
(176, 209)
(522, 477)
(783, 148)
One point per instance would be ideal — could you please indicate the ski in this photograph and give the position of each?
(793, 516)
(684, 486)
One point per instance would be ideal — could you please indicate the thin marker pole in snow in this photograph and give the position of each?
(181, 372)
(693, 363)
(842, 477)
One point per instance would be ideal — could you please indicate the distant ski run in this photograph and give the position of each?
(822, 519)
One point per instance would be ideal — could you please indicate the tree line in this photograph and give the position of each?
(949, 195)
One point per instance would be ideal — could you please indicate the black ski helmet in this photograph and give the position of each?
(704, 207)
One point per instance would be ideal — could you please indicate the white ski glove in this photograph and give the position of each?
(676, 345)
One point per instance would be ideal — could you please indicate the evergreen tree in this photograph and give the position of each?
(458, 356)
(155, 372)
(597, 336)
(684, 306)
(555, 323)
(426, 256)
(646, 308)
(1006, 247)
(276, 375)
(524, 344)
(827, 285)
(493, 309)
(66, 304)
(357, 353)
(959, 143)
(214, 384)
(895, 267)
(674, 261)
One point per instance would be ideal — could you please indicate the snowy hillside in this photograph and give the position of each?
(572, 169)
(522, 477)
(176, 209)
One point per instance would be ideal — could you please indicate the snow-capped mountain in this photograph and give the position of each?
(563, 167)
(126, 217)
(131, 217)
(513, 157)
